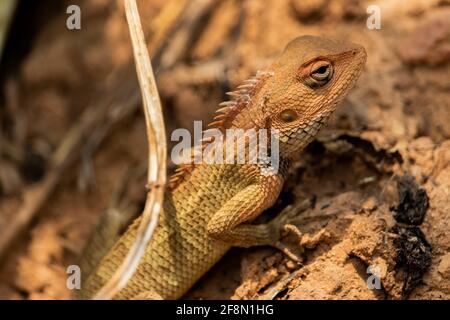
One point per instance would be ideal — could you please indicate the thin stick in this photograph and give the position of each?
(156, 177)
(107, 113)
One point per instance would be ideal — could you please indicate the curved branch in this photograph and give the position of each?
(156, 136)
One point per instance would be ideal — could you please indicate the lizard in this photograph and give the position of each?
(210, 208)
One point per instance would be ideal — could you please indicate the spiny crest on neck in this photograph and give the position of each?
(241, 99)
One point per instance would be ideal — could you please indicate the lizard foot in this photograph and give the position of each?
(286, 229)
(281, 223)
(288, 213)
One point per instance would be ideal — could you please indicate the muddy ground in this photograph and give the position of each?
(379, 168)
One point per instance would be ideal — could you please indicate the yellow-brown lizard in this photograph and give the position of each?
(209, 207)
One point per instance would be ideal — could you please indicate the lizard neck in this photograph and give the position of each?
(237, 113)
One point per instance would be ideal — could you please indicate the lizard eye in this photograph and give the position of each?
(321, 72)
(288, 115)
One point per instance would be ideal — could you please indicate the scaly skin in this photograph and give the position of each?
(210, 206)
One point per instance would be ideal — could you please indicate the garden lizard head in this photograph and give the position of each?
(297, 94)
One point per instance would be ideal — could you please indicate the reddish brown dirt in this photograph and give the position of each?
(394, 121)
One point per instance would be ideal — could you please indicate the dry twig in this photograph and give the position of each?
(102, 114)
(156, 177)
(105, 113)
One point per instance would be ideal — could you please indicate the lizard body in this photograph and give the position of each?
(210, 207)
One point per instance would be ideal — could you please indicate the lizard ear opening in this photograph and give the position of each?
(288, 115)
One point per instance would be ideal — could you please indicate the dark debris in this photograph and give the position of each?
(414, 253)
(413, 203)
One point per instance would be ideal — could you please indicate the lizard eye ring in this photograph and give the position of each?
(320, 73)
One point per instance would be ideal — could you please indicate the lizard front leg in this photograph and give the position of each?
(231, 222)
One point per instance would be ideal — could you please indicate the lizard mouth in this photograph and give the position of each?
(359, 60)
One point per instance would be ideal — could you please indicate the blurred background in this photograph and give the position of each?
(72, 137)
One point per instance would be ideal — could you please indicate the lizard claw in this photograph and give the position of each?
(281, 222)
(283, 248)
(293, 229)
(286, 229)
